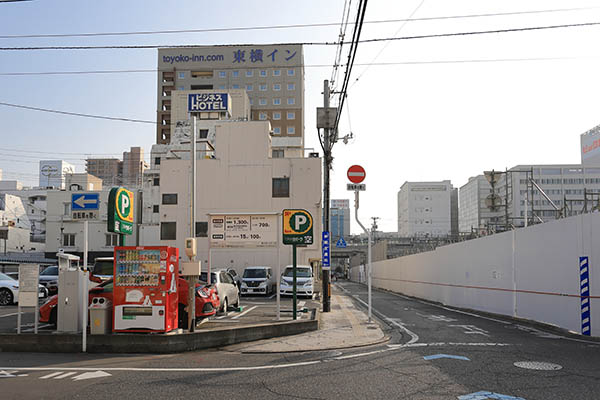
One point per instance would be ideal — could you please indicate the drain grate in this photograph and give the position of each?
(538, 365)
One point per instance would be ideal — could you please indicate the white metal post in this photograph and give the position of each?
(85, 286)
(279, 241)
(368, 250)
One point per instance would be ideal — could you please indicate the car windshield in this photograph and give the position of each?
(213, 277)
(255, 273)
(53, 270)
(104, 267)
(4, 277)
(300, 272)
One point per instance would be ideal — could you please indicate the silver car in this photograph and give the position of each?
(258, 280)
(226, 288)
(304, 281)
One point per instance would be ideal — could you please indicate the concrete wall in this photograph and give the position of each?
(499, 273)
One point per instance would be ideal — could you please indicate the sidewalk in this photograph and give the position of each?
(343, 327)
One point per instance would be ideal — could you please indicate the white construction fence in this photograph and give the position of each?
(548, 273)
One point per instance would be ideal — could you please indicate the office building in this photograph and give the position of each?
(339, 219)
(590, 147)
(271, 75)
(474, 214)
(424, 209)
(53, 172)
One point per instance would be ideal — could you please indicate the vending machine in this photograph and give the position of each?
(145, 295)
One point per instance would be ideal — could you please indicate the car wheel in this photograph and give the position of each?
(237, 303)
(224, 305)
(53, 320)
(6, 297)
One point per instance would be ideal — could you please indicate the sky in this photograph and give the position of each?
(426, 109)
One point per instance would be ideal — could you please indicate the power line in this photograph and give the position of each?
(77, 114)
(374, 40)
(290, 26)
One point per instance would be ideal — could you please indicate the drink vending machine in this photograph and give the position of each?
(145, 295)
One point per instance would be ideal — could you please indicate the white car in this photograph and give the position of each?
(226, 288)
(9, 290)
(304, 281)
(258, 280)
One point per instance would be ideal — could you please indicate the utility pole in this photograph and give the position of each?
(374, 227)
(326, 165)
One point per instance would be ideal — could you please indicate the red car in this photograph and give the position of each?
(207, 301)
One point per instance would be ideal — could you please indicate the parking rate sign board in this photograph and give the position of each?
(297, 227)
(120, 211)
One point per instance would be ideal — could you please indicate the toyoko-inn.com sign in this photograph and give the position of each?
(207, 102)
(243, 230)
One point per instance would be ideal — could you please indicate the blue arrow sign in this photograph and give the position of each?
(85, 201)
(325, 251)
(341, 243)
(483, 395)
(436, 356)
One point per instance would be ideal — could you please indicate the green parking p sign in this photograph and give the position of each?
(297, 227)
(120, 211)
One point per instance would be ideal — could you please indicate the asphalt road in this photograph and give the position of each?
(434, 353)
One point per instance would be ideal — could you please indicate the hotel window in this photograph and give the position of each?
(251, 101)
(291, 130)
(291, 115)
(235, 86)
(262, 87)
(249, 88)
(262, 116)
(262, 102)
(249, 73)
(181, 75)
(180, 88)
(221, 86)
(222, 74)
(277, 131)
(276, 72)
(235, 74)
(281, 187)
(276, 115)
(291, 101)
(291, 72)
(278, 153)
(277, 87)
(263, 72)
(291, 86)
(276, 102)
(204, 74)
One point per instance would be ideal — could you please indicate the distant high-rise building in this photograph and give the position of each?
(425, 209)
(110, 170)
(474, 215)
(53, 172)
(133, 166)
(339, 219)
(271, 75)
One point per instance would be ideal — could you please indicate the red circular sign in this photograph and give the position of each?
(356, 174)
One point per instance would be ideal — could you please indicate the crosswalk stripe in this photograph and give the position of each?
(65, 375)
(51, 375)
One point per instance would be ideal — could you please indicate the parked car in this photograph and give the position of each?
(207, 301)
(49, 279)
(258, 280)
(304, 281)
(9, 290)
(103, 269)
(236, 278)
(226, 288)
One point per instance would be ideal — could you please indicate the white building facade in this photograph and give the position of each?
(473, 213)
(424, 209)
(53, 173)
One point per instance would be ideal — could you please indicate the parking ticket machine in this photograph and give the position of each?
(145, 289)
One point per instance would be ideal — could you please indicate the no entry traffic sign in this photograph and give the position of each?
(356, 174)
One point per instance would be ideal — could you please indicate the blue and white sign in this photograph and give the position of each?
(341, 243)
(85, 201)
(325, 251)
(208, 102)
(584, 276)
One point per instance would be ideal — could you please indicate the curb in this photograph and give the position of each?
(152, 343)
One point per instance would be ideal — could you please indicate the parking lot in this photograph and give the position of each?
(253, 310)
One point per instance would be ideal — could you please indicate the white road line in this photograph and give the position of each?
(245, 312)
(64, 375)
(301, 304)
(273, 296)
(10, 315)
(51, 375)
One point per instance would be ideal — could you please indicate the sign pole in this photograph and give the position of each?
(192, 279)
(278, 271)
(85, 286)
(294, 306)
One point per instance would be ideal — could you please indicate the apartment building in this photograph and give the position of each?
(425, 209)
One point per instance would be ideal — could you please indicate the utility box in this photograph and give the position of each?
(100, 316)
(70, 294)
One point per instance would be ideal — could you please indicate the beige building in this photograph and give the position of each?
(241, 178)
(133, 167)
(83, 181)
(272, 76)
(110, 170)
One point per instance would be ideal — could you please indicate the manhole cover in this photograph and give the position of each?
(541, 366)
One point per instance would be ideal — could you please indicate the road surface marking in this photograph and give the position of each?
(10, 315)
(471, 330)
(51, 375)
(91, 375)
(438, 356)
(245, 312)
(64, 375)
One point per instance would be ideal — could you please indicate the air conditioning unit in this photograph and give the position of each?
(313, 155)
